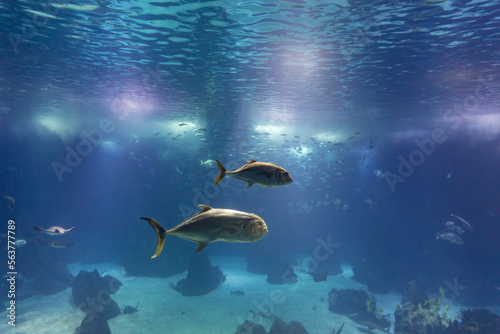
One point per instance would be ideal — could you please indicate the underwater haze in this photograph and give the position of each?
(384, 113)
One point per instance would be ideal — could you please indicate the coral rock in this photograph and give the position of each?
(281, 327)
(94, 324)
(92, 294)
(202, 277)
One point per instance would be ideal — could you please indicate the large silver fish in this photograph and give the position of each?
(261, 173)
(210, 225)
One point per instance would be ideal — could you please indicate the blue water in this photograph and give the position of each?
(385, 114)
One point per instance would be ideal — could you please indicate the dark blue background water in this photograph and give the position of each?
(331, 92)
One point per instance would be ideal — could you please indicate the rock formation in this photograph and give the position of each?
(92, 294)
(202, 277)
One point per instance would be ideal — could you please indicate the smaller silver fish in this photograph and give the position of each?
(260, 173)
(451, 237)
(20, 242)
(208, 163)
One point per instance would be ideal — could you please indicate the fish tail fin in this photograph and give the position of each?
(38, 229)
(222, 171)
(162, 233)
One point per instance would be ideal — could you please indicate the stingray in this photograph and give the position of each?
(53, 230)
(129, 309)
(55, 244)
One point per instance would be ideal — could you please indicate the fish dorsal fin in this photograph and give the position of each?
(249, 184)
(251, 161)
(201, 246)
(58, 231)
(204, 208)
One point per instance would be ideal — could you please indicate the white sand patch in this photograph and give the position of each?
(54, 314)
(161, 309)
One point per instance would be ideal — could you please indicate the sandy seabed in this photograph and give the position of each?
(163, 310)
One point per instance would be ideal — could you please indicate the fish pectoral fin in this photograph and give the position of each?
(201, 246)
(249, 184)
(58, 231)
